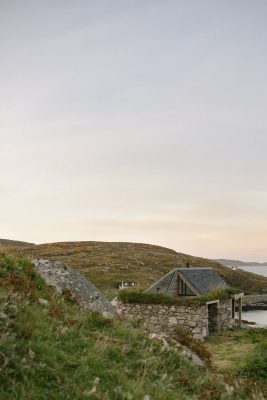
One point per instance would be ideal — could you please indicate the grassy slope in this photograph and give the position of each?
(231, 348)
(241, 352)
(12, 243)
(50, 349)
(106, 264)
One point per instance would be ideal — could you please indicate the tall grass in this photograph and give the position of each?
(51, 349)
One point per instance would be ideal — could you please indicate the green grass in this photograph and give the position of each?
(241, 352)
(138, 296)
(106, 264)
(255, 365)
(231, 349)
(217, 294)
(51, 349)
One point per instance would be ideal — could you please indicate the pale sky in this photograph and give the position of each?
(141, 121)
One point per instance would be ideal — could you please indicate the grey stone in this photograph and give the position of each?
(172, 321)
(3, 315)
(61, 277)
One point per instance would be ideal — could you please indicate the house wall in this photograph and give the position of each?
(225, 320)
(165, 318)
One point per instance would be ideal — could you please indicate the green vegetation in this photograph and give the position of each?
(51, 349)
(107, 264)
(255, 364)
(241, 352)
(137, 296)
(185, 338)
(217, 294)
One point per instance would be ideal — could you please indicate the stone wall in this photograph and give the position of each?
(257, 298)
(165, 318)
(225, 320)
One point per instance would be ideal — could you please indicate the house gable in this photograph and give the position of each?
(188, 282)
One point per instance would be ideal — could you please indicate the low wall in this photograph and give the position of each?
(257, 298)
(225, 320)
(165, 318)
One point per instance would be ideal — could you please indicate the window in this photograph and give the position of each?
(182, 288)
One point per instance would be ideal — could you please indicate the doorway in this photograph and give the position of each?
(213, 317)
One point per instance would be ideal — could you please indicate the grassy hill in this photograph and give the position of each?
(238, 263)
(14, 243)
(106, 264)
(51, 349)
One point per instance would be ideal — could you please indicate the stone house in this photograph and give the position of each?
(126, 285)
(200, 318)
(188, 282)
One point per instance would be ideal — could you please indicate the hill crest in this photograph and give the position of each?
(107, 264)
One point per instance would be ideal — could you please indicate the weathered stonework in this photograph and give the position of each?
(165, 318)
(61, 277)
(225, 320)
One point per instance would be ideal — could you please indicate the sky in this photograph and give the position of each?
(139, 121)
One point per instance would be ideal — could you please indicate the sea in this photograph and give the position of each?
(258, 316)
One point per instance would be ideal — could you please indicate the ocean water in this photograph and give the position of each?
(258, 316)
(256, 270)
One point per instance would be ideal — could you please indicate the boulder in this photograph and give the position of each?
(63, 278)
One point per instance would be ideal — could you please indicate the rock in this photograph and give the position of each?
(3, 315)
(187, 353)
(63, 278)
(43, 302)
(172, 321)
(160, 337)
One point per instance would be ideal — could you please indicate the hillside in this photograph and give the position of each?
(238, 263)
(14, 243)
(51, 349)
(106, 264)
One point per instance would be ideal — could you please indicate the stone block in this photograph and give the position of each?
(192, 324)
(172, 321)
(204, 332)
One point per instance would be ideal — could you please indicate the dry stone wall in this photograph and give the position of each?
(225, 320)
(165, 318)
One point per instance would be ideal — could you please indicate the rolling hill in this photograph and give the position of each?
(106, 264)
(238, 263)
(14, 243)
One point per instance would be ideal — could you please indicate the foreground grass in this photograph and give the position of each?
(230, 349)
(50, 349)
(241, 352)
